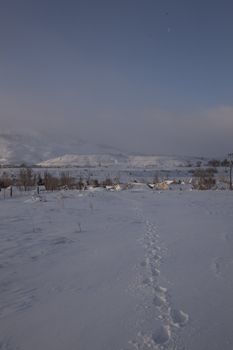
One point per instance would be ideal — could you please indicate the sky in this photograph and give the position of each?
(148, 76)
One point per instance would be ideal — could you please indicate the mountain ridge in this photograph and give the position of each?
(44, 151)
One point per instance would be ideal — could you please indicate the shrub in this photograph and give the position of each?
(51, 182)
(214, 162)
(107, 182)
(26, 178)
(204, 179)
(5, 181)
(80, 184)
(225, 163)
(156, 179)
(66, 180)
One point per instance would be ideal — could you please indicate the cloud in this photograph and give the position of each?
(204, 132)
(221, 118)
(211, 130)
(132, 127)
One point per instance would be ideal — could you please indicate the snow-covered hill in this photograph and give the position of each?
(121, 161)
(34, 148)
(47, 151)
(18, 148)
(87, 160)
(163, 162)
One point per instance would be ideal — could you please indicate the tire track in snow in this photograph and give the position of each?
(171, 320)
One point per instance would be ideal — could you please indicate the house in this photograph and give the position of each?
(162, 186)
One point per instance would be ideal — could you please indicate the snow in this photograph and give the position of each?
(35, 147)
(161, 162)
(91, 160)
(49, 151)
(120, 161)
(134, 269)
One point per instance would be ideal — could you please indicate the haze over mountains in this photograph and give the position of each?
(45, 151)
(34, 148)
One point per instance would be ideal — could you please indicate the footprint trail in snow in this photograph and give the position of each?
(171, 320)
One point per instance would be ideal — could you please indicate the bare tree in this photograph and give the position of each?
(66, 180)
(27, 178)
(5, 181)
(51, 182)
(204, 179)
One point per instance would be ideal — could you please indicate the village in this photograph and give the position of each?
(14, 181)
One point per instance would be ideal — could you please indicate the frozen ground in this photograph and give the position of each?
(117, 271)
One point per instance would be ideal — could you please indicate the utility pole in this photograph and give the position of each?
(230, 157)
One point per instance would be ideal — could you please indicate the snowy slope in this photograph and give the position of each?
(18, 148)
(47, 151)
(123, 161)
(34, 147)
(161, 162)
(93, 160)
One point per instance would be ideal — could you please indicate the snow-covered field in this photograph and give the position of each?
(127, 270)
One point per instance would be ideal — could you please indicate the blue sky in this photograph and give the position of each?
(152, 76)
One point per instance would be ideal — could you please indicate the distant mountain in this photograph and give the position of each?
(48, 151)
(34, 148)
(87, 160)
(121, 161)
(16, 149)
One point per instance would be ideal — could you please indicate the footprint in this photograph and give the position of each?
(160, 290)
(147, 281)
(179, 318)
(157, 257)
(155, 272)
(143, 263)
(162, 335)
(159, 300)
